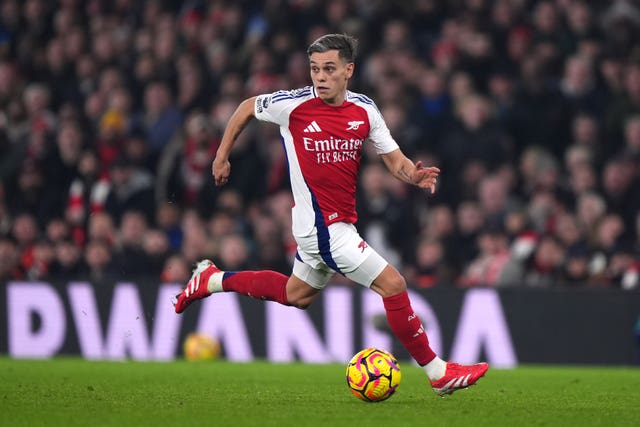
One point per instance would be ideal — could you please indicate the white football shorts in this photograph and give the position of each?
(337, 248)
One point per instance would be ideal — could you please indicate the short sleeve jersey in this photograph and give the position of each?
(324, 144)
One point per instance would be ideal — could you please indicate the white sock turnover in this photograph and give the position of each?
(215, 282)
(435, 369)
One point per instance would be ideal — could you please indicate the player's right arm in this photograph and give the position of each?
(221, 168)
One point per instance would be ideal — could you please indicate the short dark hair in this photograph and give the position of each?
(347, 46)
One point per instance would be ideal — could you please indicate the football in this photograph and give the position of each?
(198, 346)
(373, 375)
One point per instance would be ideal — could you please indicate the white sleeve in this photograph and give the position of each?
(379, 133)
(273, 107)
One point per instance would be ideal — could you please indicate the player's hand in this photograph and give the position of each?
(221, 169)
(426, 177)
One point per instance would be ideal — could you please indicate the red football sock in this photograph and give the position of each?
(265, 285)
(407, 327)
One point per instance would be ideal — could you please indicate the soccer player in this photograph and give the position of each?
(324, 127)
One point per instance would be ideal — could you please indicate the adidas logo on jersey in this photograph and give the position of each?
(313, 127)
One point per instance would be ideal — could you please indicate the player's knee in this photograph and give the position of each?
(303, 306)
(398, 285)
(393, 286)
(301, 303)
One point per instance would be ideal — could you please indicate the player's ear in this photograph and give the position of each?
(350, 67)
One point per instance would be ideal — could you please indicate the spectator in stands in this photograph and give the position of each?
(493, 198)
(622, 105)
(569, 231)
(234, 253)
(168, 220)
(431, 266)
(111, 136)
(542, 269)
(129, 252)
(28, 194)
(102, 227)
(25, 231)
(609, 250)
(470, 221)
(36, 260)
(40, 121)
(160, 119)
(586, 132)
(192, 92)
(487, 267)
(582, 179)
(195, 241)
(623, 270)
(590, 209)
(185, 164)
(61, 164)
(131, 189)
(502, 92)
(620, 188)
(537, 168)
(10, 89)
(57, 229)
(87, 194)
(99, 262)
(609, 233)
(575, 271)
(433, 110)
(440, 223)
(537, 102)
(176, 269)
(576, 156)
(631, 149)
(516, 223)
(578, 87)
(10, 260)
(67, 263)
(476, 137)
(155, 245)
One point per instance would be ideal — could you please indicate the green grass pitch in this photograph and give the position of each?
(74, 392)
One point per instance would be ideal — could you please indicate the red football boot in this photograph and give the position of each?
(196, 286)
(457, 377)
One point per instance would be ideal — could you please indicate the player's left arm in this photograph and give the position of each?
(412, 173)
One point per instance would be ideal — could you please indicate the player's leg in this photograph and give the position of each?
(445, 378)
(362, 264)
(299, 293)
(298, 290)
(306, 282)
(373, 271)
(404, 323)
(208, 279)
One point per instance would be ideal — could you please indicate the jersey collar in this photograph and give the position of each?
(347, 93)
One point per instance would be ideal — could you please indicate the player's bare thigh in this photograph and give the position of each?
(299, 293)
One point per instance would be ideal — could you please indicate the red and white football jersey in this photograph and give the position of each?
(324, 145)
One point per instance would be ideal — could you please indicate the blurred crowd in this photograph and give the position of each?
(111, 113)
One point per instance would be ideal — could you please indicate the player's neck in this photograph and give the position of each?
(337, 100)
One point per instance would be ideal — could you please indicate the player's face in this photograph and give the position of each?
(330, 75)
